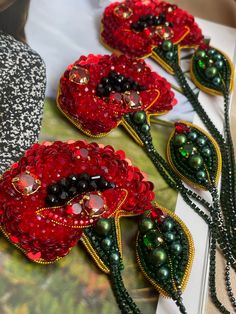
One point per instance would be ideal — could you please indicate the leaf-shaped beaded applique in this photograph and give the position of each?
(165, 251)
(212, 71)
(194, 155)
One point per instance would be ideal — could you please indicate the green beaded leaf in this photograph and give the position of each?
(194, 155)
(212, 71)
(103, 243)
(165, 251)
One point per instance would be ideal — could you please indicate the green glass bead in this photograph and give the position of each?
(201, 175)
(163, 273)
(169, 236)
(211, 72)
(169, 55)
(195, 161)
(168, 224)
(200, 54)
(211, 52)
(219, 64)
(192, 136)
(167, 45)
(139, 117)
(152, 239)
(201, 64)
(158, 256)
(103, 226)
(206, 151)
(201, 141)
(179, 140)
(176, 248)
(145, 225)
(217, 56)
(114, 258)
(106, 243)
(186, 150)
(145, 128)
(216, 81)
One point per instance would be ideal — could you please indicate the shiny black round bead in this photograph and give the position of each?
(126, 86)
(135, 86)
(100, 90)
(93, 186)
(73, 179)
(103, 184)
(54, 189)
(137, 26)
(120, 79)
(156, 21)
(84, 177)
(162, 18)
(72, 191)
(108, 89)
(64, 183)
(105, 81)
(82, 186)
(52, 200)
(145, 25)
(63, 196)
(117, 88)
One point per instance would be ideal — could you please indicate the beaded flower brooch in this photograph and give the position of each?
(47, 207)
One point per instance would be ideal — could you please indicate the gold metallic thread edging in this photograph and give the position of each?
(218, 153)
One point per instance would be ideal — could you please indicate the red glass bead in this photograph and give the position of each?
(182, 128)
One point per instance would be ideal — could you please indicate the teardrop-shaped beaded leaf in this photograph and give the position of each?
(103, 243)
(194, 155)
(212, 71)
(165, 251)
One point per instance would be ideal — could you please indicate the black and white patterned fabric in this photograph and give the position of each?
(22, 92)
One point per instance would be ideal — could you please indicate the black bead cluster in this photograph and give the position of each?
(62, 191)
(149, 20)
(116, 83)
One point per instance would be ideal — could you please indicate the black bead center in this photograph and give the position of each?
(149, 20)
(61, 192)
(115, 82)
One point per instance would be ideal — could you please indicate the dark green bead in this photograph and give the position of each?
(152, 239)
(114, 258)
(201, 64)
(176, 248)
(145, 128)
(145, 225)
(139, 117)
(179, 140)
(163, 272)
(200, 54)
(169, 236)
(201, 141)
(217, 56)
(167, 45)
(168, 224)
(106, 243)
(216, 81)
(195, 161)
(192, 136)
(206, 151)
(187, 150)
(211, 52)
(201, 175)
(211, 72)
(219, 64)
(158, 256)
(103, 226)
(169, 55)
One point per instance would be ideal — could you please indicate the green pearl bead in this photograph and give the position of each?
(201, 141)
(145, 128)
(195, 161)
(219, 64)
(163, 272)
(200, 54)
(217, 56)
(169, 55)
(168, 224)
(167, 45)
(114, 258)
(106, 243)
(158, 256)
(192, 136)
(145, 225)
(201, 175)
(103, 226)
(169, 236)
(176, 248)
(179, 140)
(211, 52)
(139, 117)
(206, 151)
(216, 81)
(211, 72)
